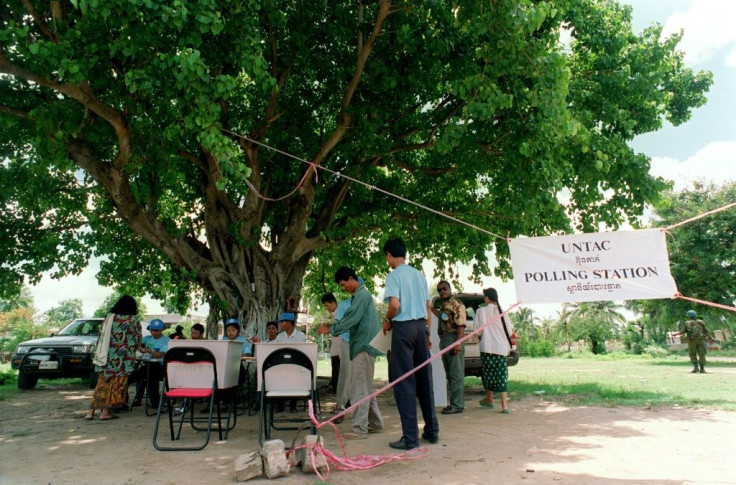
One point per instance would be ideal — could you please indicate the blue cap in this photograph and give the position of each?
(232, 321)
(691, 314)
(156, 324)
(287, 316)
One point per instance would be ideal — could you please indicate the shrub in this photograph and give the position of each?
(729, 344)
(538, 348)
(656, 351)
(7, 376)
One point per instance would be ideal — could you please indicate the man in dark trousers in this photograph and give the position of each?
(407, 296)
(451, 318)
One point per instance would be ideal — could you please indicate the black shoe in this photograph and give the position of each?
(403, 444)
(429, 438)
(451, 410)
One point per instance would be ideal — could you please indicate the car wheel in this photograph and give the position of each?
(93, 376)
(26, 382)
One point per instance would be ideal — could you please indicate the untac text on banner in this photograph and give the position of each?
(622, 265)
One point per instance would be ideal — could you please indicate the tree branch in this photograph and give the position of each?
(40, 22)
(82, 93)
(15, 112)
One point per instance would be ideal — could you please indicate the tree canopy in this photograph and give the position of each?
(122, 122)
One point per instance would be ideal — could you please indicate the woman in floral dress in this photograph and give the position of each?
(120, 335)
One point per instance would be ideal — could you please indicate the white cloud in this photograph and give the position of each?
(730, 60)
(716, 162)
(708, 27)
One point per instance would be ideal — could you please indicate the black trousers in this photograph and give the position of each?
(410, 348)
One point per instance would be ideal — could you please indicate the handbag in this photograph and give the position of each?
(513, 357)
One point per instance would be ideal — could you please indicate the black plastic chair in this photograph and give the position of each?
(285, 373)
(190, 374)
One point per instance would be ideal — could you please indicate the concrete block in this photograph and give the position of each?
(249, 465)
(316, 462)
(275, 463)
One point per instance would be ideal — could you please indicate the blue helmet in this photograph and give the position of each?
(691, 314)
(156, 324)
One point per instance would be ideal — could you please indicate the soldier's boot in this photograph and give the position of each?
(695, 369)
(702, 369)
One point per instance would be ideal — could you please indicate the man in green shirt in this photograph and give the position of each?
(361, 319)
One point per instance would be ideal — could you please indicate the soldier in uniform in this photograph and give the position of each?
(452, 318)
(697, 334)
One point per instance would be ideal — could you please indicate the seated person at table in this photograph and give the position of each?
(153, 347)
(178, 334)
(272, 329)
(289, 333)
(232, 333)
(197, 332)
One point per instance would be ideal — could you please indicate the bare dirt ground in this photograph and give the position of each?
(46, 441)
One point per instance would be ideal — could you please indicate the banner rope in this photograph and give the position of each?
(700, 216)
(704, 302)
(365, 462)
(360, 182)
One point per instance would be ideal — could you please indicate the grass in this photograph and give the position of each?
(614, 379)
(622, 380)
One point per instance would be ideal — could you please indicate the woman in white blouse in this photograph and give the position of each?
(494, 349)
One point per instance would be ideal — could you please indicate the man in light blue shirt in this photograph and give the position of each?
(153, 347)
(407, 295)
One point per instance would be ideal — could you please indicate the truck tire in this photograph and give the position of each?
(25, 381)
(93, 376)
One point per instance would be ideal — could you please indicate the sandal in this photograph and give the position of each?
(486, 403)
(108, 418)
(506, 411)
(87, 417)
(352, 435)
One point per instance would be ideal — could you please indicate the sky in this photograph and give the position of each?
(704, 148)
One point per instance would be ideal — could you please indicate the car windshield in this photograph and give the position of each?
(82, 327)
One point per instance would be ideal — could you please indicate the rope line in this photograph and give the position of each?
(704, 302)
(705, 214)
(365, 462)
(360, 182)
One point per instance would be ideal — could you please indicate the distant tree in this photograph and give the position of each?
(21, 299)
(596, 322)
(563, 324)
(64, 312)
(110, 301)
(16, 326)
(523, 320)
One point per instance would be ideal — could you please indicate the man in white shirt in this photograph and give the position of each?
(289, 333)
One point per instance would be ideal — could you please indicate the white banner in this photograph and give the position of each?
(623, 265)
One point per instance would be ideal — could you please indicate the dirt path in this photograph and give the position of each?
(44, 440)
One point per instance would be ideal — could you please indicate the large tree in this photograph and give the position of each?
(121, 122)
